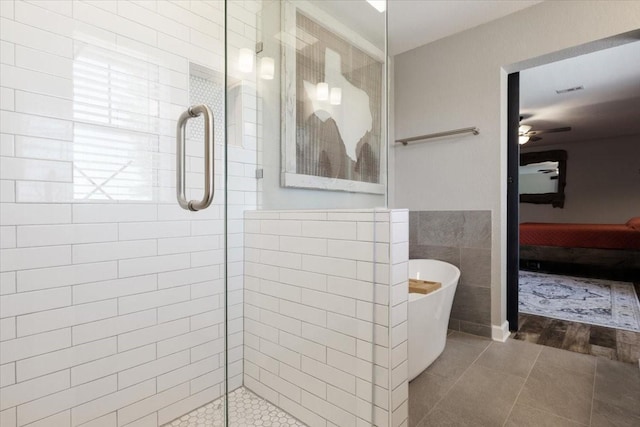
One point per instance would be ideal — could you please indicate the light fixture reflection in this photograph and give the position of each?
(379, 5)
(523, 138)
(245, 60)
(267, 68)
(322, 91)
(335, 98)
(524, 129)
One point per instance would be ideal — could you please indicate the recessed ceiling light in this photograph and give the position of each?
(569, 89)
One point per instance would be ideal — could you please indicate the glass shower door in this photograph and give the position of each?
(160, 263)
(113, 298)
(317, 252)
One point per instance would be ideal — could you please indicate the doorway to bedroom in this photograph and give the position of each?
(574, 245)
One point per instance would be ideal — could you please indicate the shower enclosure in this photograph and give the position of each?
(192, 217)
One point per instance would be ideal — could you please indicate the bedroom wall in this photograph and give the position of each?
(603, 183)
(461, 81)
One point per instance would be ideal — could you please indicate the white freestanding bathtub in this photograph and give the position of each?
(429, 314)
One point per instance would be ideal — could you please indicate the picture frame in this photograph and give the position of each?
(326, 146)
(557, 198)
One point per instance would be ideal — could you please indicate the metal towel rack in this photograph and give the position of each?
(404, 141)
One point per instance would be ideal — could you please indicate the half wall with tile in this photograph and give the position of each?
(326, 314)
(462, 238)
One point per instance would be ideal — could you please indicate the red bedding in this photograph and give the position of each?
(602, 236)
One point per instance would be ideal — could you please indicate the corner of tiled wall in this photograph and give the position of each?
(325, 333)
(399, 313)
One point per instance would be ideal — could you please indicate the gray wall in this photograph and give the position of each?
(462, 238)
(603, 184)
(461, 81)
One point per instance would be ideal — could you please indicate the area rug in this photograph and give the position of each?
(594, 301)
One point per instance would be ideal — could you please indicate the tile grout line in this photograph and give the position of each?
(456, 381)
(546, 411)
(522, 387)
(555, 415)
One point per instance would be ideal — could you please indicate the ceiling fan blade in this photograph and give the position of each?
(535, 138)
(536, 132)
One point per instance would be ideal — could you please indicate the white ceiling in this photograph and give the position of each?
(413, 23)
(608, 106)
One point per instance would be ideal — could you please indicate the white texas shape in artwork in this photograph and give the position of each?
(353, 116)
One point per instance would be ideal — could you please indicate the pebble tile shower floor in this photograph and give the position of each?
(245, 409)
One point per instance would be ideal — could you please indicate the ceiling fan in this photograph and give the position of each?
(526, 134)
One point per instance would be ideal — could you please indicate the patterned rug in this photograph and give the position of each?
(593, 301)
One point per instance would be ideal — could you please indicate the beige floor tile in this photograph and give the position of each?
(576, 362)
(479, 343)
(440, 418)
(482, 396)
(424, 392)
(618, 384)
(525, 416)
(607, 415)
(513, 357)
(455, 359)
(559, 391)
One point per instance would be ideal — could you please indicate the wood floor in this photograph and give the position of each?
(610, 343)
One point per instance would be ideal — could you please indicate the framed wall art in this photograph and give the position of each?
(333, 121)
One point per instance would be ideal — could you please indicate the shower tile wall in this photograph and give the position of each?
(111, 296)
(462, 238)
(316, 329)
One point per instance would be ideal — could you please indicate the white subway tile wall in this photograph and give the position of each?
(111, 296)
(325, 330)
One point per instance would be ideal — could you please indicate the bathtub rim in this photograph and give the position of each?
(452, 281)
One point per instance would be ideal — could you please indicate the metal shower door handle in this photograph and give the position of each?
(209, 141)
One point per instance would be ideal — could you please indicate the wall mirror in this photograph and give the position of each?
(543, 177)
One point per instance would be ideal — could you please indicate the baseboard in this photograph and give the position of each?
(500, 333)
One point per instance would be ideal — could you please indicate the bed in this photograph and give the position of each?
(609, 246)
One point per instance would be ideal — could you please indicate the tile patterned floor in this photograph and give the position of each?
(611, 343)
(478, 382)
(245, 409)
